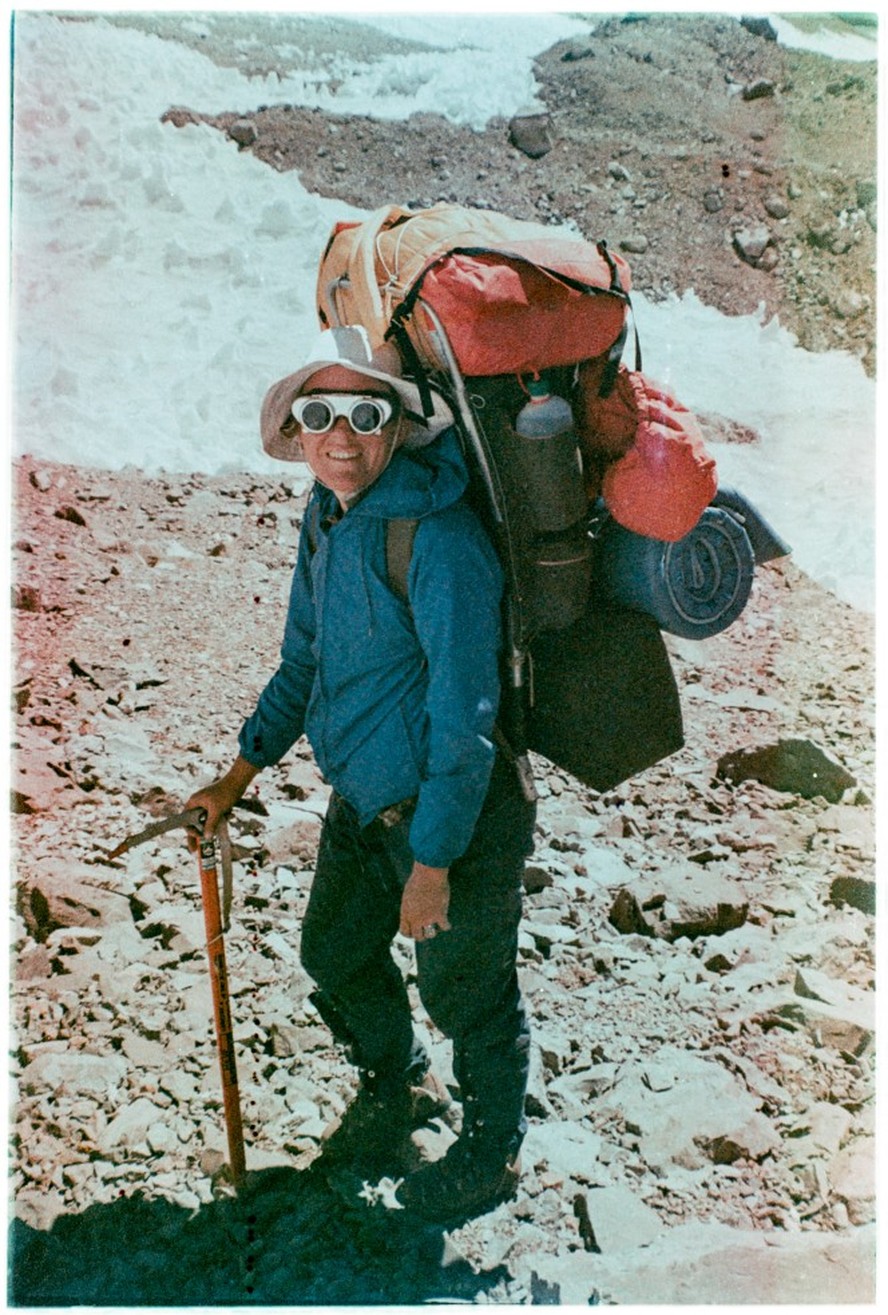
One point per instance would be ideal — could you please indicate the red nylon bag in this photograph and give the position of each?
(656, 476)
(507, 315)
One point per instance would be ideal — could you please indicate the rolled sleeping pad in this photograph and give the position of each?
(766, 542)
(693, 588)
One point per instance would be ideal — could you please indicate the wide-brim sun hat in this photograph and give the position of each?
(349, 346)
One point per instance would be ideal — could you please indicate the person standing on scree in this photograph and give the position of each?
(427, 827)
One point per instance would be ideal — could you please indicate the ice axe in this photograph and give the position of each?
(216, 922)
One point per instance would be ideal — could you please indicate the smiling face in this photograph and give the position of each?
(346, 462)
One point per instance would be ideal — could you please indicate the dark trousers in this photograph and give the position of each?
(467, 976)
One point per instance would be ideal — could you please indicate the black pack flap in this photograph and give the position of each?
(605, 701)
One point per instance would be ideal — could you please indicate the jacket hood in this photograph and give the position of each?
(414, 483)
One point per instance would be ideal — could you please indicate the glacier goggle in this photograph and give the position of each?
(318, 412)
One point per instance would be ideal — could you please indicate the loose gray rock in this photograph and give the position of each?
(142, 1053)
(41, 479)
(847, 1028)
(751, 244)
(179, 116)
(794, 766)
(38, 782)
(776, 206)
(33, 965)
(755, 1139)
(567, 1146)
(26, 598)
(56, 896)
(243, 131)
(180, 1085)
(711, 1263)
(161, 1139)
(703, 1104)
(70, 514)
(852, 1179)
(296, 844)
(574, 1093)
(758, 89)
(617, 1220)
(180, 927)
(73, 1072)
(814, 985)
(529, 133)
(849, 303)
(626, 915)
(536, 879)
(38, 1208)
(675, 904)
(131, 1126)
(829, 1125)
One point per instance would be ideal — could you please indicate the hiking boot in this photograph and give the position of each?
(372, 1131)
(468, 1181)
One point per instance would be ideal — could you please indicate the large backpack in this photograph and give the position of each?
(474, 288)
(479, 305)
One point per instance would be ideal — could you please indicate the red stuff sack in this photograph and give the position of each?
(510, 314)
(656, 476)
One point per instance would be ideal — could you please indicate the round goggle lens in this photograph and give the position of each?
(316, 416)
(366, 417)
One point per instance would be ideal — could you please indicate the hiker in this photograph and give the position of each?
(427, 827)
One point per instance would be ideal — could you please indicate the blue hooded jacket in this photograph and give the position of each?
(396, 701)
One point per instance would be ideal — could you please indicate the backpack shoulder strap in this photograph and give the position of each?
(312, 517)
(399, 536)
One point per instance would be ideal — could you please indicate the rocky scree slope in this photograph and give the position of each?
(697, 954)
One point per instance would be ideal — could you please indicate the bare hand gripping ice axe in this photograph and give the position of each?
(216, 923)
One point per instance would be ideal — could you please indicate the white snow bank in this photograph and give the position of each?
(858, 47)
(162, 281)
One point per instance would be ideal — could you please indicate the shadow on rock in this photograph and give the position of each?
(286, 1239)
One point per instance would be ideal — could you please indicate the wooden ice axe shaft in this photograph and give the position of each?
(209, 887)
